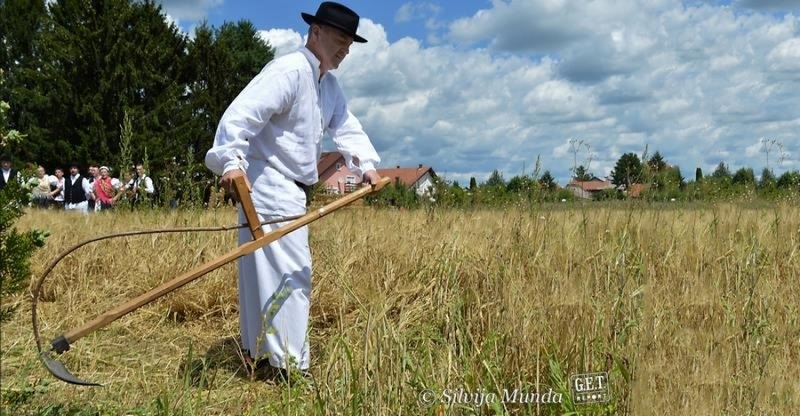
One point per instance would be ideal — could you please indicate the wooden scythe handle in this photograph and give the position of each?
(243, 250)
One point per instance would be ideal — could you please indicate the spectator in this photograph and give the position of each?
(141, 186)
(91, 175)
(7, 170)
(105, 189)
(57, 188)
(76, 191)
(40, 188)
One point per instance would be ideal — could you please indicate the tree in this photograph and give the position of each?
(16, 248)
(721, 172)
(627, 171)
(222, 61)
(582, 174)
(744, 176)
(698, 175)
(473, 184)
(767, 180)
(495, 179)
(789, 180)
(657, 163)
(547, 182)
(98, 60)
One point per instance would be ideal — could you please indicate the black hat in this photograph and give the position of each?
(75, 164)
(336, 15)
(5, 157)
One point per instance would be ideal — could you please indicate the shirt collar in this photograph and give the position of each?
(312, 59)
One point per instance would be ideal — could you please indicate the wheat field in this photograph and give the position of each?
(691, 310)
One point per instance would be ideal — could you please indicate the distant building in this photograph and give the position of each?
(338, 179)
(420, 178)
(589, 189)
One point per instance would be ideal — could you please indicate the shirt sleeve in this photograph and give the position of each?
(351, 140)
(148, 185)
(270, 92)
(87, 187)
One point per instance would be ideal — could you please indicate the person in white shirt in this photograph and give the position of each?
(57, 188)
(271, 135)
(40, 188)
(77, 191)
(140, 186)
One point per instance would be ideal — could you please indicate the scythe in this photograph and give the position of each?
(62, 343)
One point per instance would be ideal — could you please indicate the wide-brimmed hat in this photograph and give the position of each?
(336, 15)
(5, 157)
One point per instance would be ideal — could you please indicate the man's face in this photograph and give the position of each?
(334, 45)
(140, 170)
(73, 170)
(6, 164)
(93, 170)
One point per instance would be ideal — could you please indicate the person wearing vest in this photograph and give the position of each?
(7, 173)
(76, 191)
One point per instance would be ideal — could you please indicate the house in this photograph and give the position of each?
(337, 178)
(588, 189)
(420, 178)
(334, 174)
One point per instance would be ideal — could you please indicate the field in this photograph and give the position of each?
(692, 310)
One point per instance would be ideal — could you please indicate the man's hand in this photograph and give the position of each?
(226, 182)
(371, 178)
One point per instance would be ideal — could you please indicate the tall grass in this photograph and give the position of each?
(691, 310)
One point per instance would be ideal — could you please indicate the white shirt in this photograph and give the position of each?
(59, 183)
(6, 174)
(142, 180)
(281, 116)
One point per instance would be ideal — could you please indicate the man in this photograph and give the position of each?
(7, 172)
(271, 134)
(76, 191)
(141, 185)
(91, 174)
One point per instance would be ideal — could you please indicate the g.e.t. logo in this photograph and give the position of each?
(589, 388)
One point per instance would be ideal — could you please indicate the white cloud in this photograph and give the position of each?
(283, 40)
(189, 10)
(785, 56)
(416, 11)
(695, 83)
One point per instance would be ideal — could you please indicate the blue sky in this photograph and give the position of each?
(471, 86)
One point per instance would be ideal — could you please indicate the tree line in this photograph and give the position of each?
(79, 72)
(657, 179)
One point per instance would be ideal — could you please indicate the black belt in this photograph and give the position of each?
(308, 189)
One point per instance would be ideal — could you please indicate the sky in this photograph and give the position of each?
(468, 86)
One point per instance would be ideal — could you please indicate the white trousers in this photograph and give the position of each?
(82, 207)
(275, 281)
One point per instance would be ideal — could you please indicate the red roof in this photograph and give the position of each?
(406, 176)
(327, 160)
(596, 184)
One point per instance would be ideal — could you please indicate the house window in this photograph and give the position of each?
(349, 183)
(338, 165)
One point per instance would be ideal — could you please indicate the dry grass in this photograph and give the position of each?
(692, 310)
